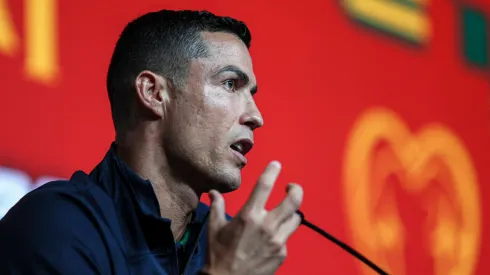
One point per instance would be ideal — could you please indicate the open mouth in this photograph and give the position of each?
(242, 146)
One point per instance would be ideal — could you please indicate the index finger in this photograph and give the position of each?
(264, 186)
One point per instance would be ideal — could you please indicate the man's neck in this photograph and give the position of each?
(177, 200)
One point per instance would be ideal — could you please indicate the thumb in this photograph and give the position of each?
(217, 217)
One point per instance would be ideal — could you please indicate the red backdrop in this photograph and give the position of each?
(380, 109)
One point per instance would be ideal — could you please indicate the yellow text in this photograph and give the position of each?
(406, 20)
(41, 60)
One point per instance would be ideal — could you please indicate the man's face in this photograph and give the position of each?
(209, 125)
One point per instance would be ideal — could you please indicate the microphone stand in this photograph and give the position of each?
(344, 246)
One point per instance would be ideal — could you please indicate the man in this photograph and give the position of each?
(181, 88)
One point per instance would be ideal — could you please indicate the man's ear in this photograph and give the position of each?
(152, 92)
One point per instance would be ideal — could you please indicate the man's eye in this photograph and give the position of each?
(230, 85)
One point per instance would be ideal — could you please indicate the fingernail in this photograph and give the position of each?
(276, 163)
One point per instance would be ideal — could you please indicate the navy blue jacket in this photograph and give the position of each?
(107, 222)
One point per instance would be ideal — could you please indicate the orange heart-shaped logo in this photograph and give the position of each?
(412, 199)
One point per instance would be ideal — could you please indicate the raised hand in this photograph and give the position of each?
(253, 242)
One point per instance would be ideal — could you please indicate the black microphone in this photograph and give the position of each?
(344, 246)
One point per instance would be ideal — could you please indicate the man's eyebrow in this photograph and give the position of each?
(240, 74)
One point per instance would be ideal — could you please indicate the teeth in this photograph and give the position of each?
(238, 147)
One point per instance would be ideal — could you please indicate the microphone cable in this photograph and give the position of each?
(343, 245)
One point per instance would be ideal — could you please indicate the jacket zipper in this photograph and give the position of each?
(194, 246)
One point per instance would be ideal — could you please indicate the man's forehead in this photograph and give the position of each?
(223, 39)
(226, 53)
(226, 49)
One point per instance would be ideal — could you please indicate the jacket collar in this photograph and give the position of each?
(138, 209)
(141, 189)
(113, 171)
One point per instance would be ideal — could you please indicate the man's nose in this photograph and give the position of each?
(252, 117)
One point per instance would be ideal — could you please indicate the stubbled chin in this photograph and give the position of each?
(229, 182)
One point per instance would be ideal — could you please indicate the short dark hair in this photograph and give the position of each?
(163, 42)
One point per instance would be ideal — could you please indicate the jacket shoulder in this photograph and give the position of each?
(53, 222)
(55, 206)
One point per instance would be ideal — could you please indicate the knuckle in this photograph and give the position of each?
(296, 220)
(268, 230)
(277, 246)
(295, 195)
(284, 252)
(249, 218)
(264, 183)
(272, 220)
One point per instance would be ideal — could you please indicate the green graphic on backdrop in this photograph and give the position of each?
(410, 21)
(475, 36)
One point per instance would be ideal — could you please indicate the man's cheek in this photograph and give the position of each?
(221, 107)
